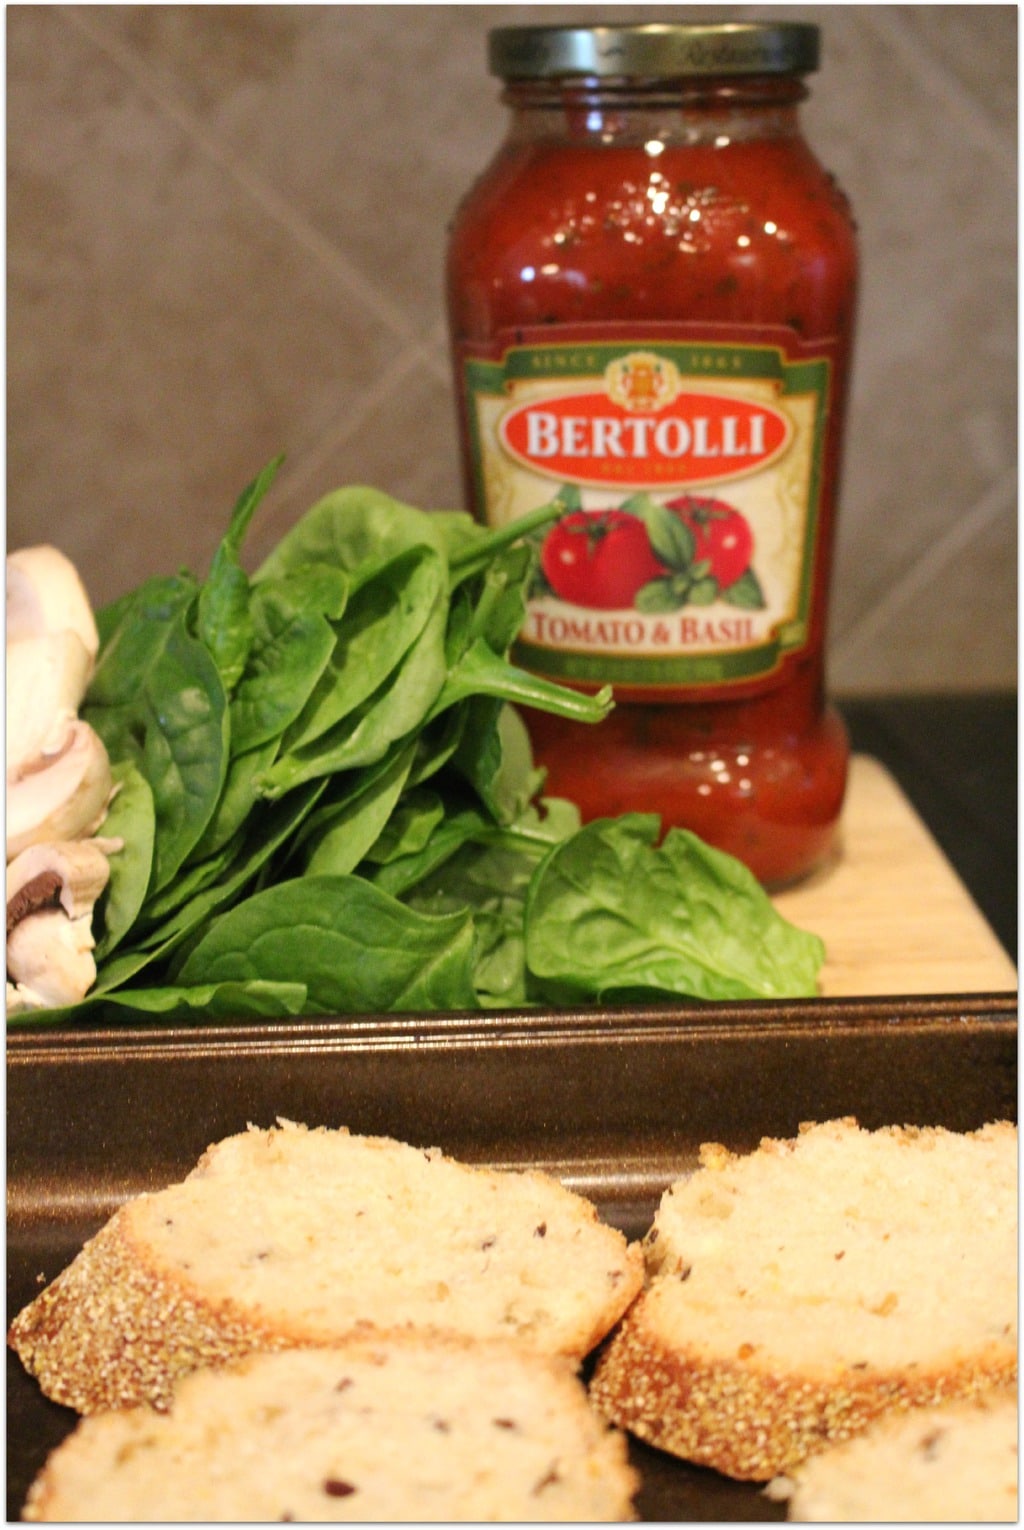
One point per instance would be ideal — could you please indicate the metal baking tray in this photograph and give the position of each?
(614, 1102)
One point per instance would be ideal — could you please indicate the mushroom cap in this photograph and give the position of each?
(45, 593)
(49, 958)
(46, 679)
(63, 796)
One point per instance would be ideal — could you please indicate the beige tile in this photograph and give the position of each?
(399, 438)
(952, 623)
(973, 44)
(368, 121)
(164, 338)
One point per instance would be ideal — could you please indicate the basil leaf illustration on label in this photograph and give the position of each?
(745, 592)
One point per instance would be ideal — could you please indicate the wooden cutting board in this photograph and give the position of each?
(894, 915)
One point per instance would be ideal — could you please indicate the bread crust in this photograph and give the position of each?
(119, 1325)
(750, 1422)
(680, 1373)
(112, 1330)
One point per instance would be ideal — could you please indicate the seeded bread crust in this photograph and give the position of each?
(750, 1424)
(676, 1376)
(112, 1331)
(398, 1428)
(125, 1319)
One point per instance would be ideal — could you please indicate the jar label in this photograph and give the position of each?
(690, 469)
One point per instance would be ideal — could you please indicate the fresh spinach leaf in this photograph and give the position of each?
(193, 878)
(489, 873)
(293, 639)
(482, 672)
(490, 881)
(223, 618)
(612, 912)
(342, 832)
(133, 631)
(408, 828)
(355, 529)
(239, 796)
(475, 554)
(495, 757)
(358, 950)
(131, 820)
(272, 737)
(214, 1001)
(398, 708)
(173, 724)
(384, 618)
(399, 875)
(272, 829)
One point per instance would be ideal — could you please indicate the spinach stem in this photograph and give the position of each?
(469, 560)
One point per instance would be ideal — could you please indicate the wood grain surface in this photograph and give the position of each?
(894, 915)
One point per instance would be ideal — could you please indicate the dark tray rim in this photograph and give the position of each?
(693, 1021)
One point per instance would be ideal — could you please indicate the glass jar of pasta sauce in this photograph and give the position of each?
(651, 294)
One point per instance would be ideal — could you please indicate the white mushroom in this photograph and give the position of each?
(60, 796)
(59, 783)
(45, 594)
(50, 960)
(46, 680)
(51, 893)
(69, 874)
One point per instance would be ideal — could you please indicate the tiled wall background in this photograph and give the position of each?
(225, 236)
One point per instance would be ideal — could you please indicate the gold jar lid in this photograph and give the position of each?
(654, 50)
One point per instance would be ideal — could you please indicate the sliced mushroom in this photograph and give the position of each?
(49, 958)
(69, 875)
(52, 891)
(61, 796)
(46, 680)
(45, 594)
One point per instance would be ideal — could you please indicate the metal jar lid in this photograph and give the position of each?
(654, 50)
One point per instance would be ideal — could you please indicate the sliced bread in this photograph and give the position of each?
(290, 1237)
(798, 1292)
(952, 1463)
(407, 1427)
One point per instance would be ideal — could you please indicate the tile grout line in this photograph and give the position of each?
(924, 568)
(939, 78)
(257, 190)
(417, 353)
(331, 440)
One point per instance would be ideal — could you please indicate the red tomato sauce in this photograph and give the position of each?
(746, 235)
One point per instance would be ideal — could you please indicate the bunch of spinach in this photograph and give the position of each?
(328, 802)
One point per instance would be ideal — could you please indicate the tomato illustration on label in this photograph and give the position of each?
(599, 559)
(653, 557)
(721, 536)
(707, 548)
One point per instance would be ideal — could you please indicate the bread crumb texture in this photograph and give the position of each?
(956, 1462)
(796, 1293)
(294, 1237)
(386, 1428)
